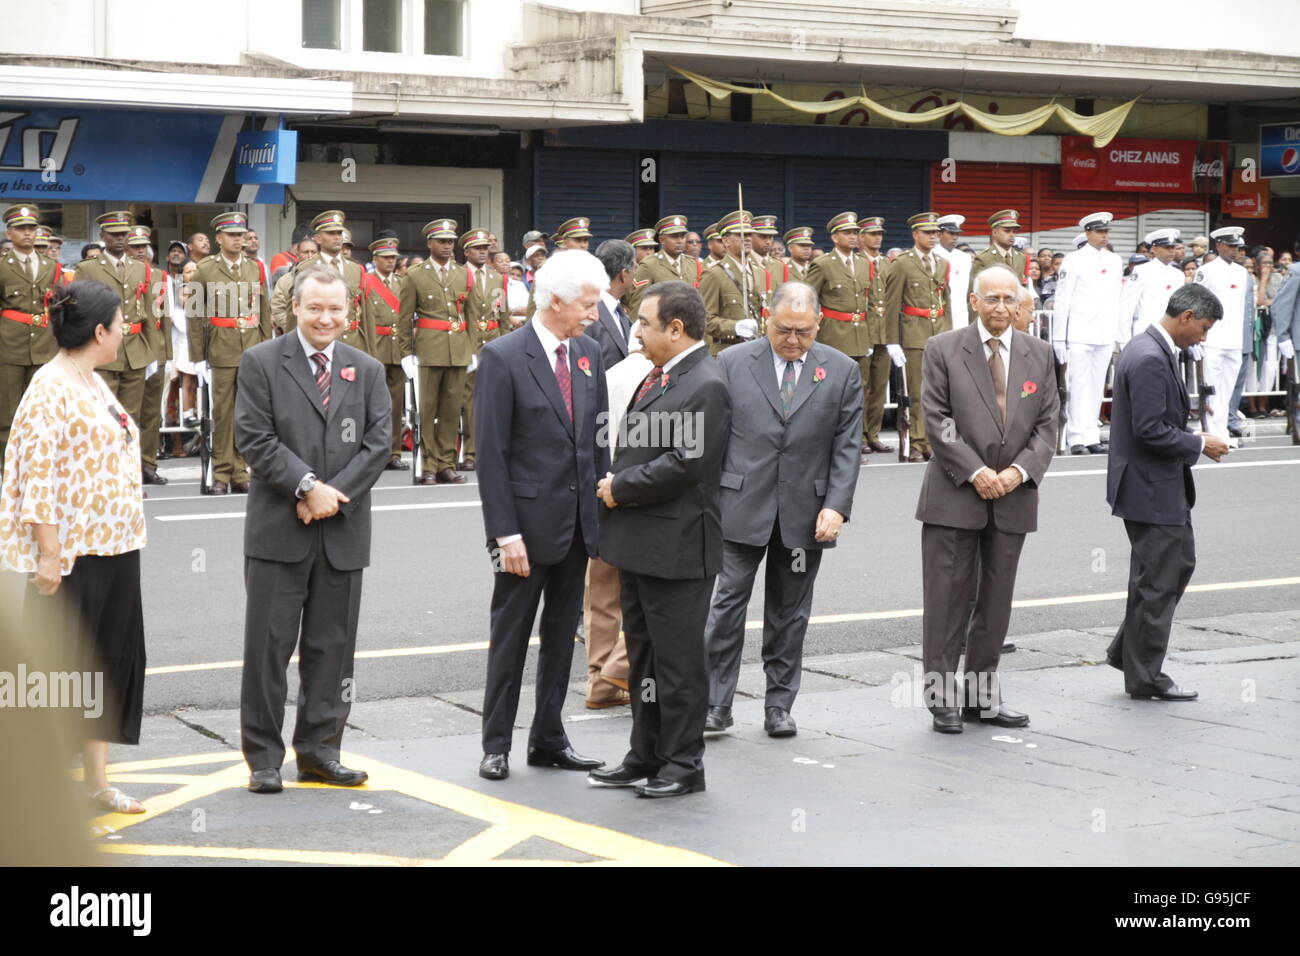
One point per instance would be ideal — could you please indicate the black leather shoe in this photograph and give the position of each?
(428, 478)
(880, 446)
(1235, 431)
(494, 766)
(1078, 450)
(778, 722)
(449, 476)
(396, 464)
(331, 771)
(1003, 717)
(265, 781)
(239, 487)
(150, 476)
(1097, 449)
(1008, 648)
(620, 776)
(220, 488)
(927, 454)
(566, 759)
(947, 720)
(467, 465)
(1173, 692)
(658, 787)
(718, 720)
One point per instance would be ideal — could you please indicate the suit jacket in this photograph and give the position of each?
(283, 432)
(425, 296)
(966, 430)
(537, 468)
(667, 523)
(608, 331)
(789, 470)
(1285, 310)
(1149, 469)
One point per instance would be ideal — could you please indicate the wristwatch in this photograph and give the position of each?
(307, 484)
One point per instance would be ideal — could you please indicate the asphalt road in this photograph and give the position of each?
(430, 578)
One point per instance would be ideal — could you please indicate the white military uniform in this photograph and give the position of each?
(1086, 319)
(1146, 295)
(1228, 281)
(958, 283)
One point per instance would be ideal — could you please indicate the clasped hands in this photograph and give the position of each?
(990, 484)
(321, 502)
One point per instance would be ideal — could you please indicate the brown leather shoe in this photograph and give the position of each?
(467, 464)
(239, 487)
(915, 455)
(879, 446)
(619, 682)
(449, 476)
(620, 699)
(428, 479)
(220, 488)
(150, 476)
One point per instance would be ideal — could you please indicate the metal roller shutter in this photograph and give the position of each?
(702, 186)
(600, 184)
(823, 188)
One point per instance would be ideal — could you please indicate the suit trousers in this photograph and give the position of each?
(395, 379)
(787, 604)
(127, 387)
(917, 419)
(14, 380)
(227, 465)
(875, 370)
(514, 607)
(663, 621)
(442, 389)
(606, 648)
(1161, 563)
(311, 605)
(1221, 368)
(1087, 380)
(960, 565)
(467, 420)
(151, 417)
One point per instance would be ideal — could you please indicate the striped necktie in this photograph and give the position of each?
(323, 378)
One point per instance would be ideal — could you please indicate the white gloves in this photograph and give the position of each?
(1287, 348)
(409, 364)
(1195, 352)
(201, 370)
(896, 354)
(1062, 354)
(473, 364)
(151, 369)
(870, 352)
(746, 328)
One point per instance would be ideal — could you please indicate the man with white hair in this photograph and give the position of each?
(539, 402)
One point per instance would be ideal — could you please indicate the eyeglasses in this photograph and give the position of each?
(785, 333)
(1007, 301)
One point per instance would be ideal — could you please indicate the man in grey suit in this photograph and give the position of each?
(990, 406)
(312, 419)
(787, 487)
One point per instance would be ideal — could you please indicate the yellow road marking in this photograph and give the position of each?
(315, 857)
(758, 625)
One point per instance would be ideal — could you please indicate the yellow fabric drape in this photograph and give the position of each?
(1102, 128)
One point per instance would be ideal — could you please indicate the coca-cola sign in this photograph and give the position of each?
(1143, 165)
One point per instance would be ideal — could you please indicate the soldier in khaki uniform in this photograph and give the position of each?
(487, 314)
(26, 278)
(642, 242)
(115, 268)
(1004, 225)
(916, 308)
(233, 314)
(669, 264)
(334, 243)
(433, 300)
(765, 232)
(730, 318)
(842, 279)
(799, 243)
(713, 241)
(158, 333)
(382, 291)
(573, 233)
(876, 377)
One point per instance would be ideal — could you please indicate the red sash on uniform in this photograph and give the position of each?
(699, 272)
(371, 282)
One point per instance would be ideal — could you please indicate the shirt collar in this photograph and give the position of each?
(1004, 338)
(1168, 339)
(549, 342)
(611, 303)
(309, 350)
(681, 355)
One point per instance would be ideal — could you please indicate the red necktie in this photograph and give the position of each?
(563, 378)
(322, 378)
(648, 383)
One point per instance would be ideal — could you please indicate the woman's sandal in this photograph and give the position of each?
(115, 801)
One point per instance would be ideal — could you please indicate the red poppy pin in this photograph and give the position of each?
(348, 374)
(584, 364)
(819, 374)
(1028, 389)
(663, 381)
(124, 421)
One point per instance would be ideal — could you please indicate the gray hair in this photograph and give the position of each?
(992, 270)
(616, 255)
(317, 272)
(566, 275)
(796, 296)
(1025, 295)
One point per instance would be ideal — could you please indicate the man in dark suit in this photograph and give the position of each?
(1149, 484)
(661, 529)
(312, 418)
(540, 396)
(612, 328)
(787, 486)
(990, 404)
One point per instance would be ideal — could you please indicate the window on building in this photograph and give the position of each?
(321, 24)
(444, 27)
(381, 26)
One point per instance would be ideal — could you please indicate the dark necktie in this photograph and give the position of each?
(322, 378)
(999, 378)
(623, 323)
(563, 378)
(648, 383)
(787, 388)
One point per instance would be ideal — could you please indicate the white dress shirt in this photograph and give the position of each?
(668, 367)
(612, 304)
(309, 350)
(1005, 339)
(780, 364)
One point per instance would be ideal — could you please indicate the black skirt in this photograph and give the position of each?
(98, 614)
